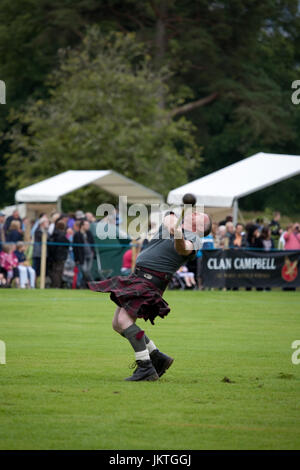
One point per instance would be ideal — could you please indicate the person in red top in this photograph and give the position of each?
(127, 262)
(292, 237)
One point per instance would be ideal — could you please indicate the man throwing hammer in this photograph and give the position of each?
(139, 295)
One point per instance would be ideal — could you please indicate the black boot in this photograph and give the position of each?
(144, 371)
(161, 361)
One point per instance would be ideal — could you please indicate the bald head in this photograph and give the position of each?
(198, 222)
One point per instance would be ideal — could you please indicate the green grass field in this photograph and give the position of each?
(62, 386)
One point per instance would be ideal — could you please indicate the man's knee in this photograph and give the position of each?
(124, 319)
(115, 321)
(116, 326)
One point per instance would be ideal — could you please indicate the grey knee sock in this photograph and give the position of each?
(136, 337)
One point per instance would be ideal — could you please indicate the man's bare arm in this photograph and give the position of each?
(182, 246)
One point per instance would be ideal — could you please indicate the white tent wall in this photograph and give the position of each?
(53, 189)
(225, 187)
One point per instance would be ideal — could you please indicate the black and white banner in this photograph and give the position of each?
(250, 268)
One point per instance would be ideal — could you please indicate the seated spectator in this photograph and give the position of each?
(8, 263)
(266, 238)
(57, 253)
(2, 277)
(26, 272)
(238, 238)
(14, 233)
(292, 237)
(187, 276)
(126, 263)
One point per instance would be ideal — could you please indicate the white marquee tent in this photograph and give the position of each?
(224, 187)
(52, 189)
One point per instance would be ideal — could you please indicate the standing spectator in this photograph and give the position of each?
(238, 238)
(228, 218)
(253, 238)
(83, 252)
(15, 216)
(2, 231)
(229, 232)
(90, 217)
(37, 248)
(214, 232)
(292, 237)
(71, 220)
(14, 233)
(26, 272)
(79, 215)
(281, 243)
(36, 224)
(53, 218)
(64, 218)
(58, 254)
(276, 231)
(223, 241)
(266, 238)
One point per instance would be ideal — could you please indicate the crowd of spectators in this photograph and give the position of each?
(261, 235)
(70, 250)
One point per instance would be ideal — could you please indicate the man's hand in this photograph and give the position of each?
(170, 223)
(182, 246)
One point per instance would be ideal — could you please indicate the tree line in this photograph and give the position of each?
(163, 91)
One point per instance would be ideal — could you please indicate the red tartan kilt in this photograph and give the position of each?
(139, 297)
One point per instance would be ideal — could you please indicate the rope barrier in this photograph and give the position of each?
(119, 245)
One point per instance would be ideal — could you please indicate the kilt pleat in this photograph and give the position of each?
(138, 296)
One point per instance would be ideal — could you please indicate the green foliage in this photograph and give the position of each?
(246, 51)
(103, 113)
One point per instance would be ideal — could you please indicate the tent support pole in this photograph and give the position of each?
(235, 211)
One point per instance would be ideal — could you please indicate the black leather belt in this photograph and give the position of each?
(159, 282)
